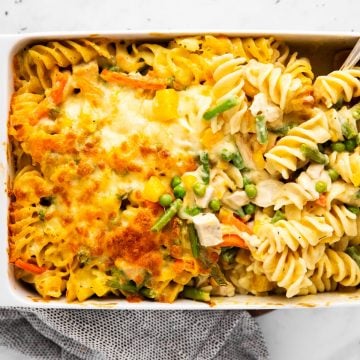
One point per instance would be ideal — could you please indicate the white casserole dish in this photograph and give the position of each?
(319, 47)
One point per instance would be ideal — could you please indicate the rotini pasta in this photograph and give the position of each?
(196, 167)
(286, 154)
(338, 85)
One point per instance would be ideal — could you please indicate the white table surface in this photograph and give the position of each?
(311, 334)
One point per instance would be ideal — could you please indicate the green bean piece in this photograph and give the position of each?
(224, 106)
(83, 256)
(321, 186)
(114, 68)
(314, 154)
(249, 209)
(226, 155)
(175, 181)
(228, 255)
(193, 211)
(355, 111)
(240, 212)
(215, 205)
(354, 252)
(261, 130)
(338, 147)
(54, 113)
(279, 215)
(334, 175)
(179, 191)
(148, 293)
(42, 215)
(165, 200)
(251, 191)
(217, 275)
(194, 240)
(238, 161)
(339, 104)
(196, 294)
(246, 180)
(167, 216)
(199, 189)
(282, 131)
(205, 163)
(348, 131)
(354, 209)
(128, 286)
(350, 144)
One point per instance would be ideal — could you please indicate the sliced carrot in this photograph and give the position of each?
(29, 267)
(41, 110)
(233, 240)
(57, 92)
(126, 80)
(228, 218)
(321, 201)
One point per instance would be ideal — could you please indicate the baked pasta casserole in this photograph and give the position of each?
(196, 167)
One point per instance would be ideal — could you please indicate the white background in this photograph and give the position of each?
(319, 334)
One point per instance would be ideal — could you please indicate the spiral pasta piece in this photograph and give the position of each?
(347, 165)
(310, 231)
(339, 266)
(286, 154)
(288, 270)
(299, 68)
(178, 65)
(88, 280)
(281, 88)
(336, 86)
(24, 107)
(303, 190)
(38, 60)
(342, 220)
(336, 121)
(248, 277)
(261, 49)
(228, 82)
(312, 255)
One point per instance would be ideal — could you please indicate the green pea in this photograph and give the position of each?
(226, 155)
(249, 209)
(179, 191)
(199, 189)
(279, 215)
(193, 211)
(334, 175)
(215, 205)
(338, 147)
(251, 190)
(165, 200)
(350, 144)
(175, 181)
(321, 186)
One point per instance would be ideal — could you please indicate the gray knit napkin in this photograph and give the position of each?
(141, 335)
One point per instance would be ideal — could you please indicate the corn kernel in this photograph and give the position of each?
(208, 138)
(355, 169)
(153, 189)
(188, 180)
(259, 160)
(165, 105)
